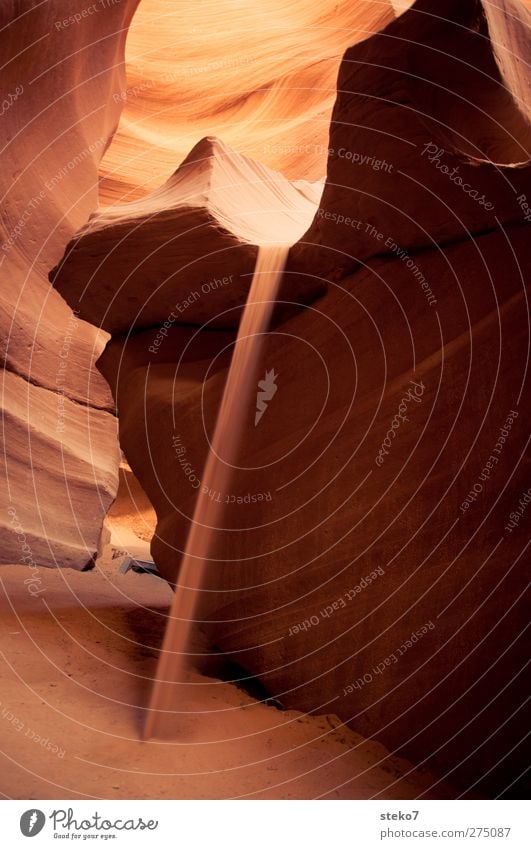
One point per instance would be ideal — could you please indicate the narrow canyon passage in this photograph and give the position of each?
(265, 308)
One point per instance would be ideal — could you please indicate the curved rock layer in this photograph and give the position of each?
(371, 552)
(440, 149)
(58, 113)
(261, 76)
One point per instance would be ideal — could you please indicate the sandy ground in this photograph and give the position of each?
(77, 659)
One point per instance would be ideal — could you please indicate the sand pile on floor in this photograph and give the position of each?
(78, 655)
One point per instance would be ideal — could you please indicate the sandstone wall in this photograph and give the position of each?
(59, 464)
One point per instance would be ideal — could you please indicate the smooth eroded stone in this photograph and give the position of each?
(427, 142)
(58, 114)
(186, 252)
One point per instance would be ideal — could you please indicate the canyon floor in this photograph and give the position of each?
(77, 659)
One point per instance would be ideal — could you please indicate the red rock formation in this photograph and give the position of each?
(366, 560)
(376, 569)
(425, 143)
(333, 559)
(186, 252)
(261, 76)
(60, 456)
(63, 88)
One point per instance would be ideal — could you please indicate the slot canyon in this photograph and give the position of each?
(265, 324)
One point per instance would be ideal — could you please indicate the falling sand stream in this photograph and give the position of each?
(168, 695)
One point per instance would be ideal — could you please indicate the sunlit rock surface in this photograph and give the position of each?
(260, 76)
(185, 253)
(64, 87)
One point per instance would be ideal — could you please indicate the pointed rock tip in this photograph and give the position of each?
(208, 147)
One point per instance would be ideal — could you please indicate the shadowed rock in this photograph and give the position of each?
(427, 143)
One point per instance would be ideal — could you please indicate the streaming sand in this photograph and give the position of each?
(171, 692)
